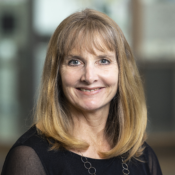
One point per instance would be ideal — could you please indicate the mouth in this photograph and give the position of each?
(88, 90)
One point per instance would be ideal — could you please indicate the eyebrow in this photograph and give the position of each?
(108, 56)
(99, 56)
(74, 56)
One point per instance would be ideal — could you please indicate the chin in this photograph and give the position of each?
(91, 107)
(89, 110)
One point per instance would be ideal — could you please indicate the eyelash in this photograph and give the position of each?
(71, 61)
(105, 60)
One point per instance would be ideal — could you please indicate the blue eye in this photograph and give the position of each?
(74, 62)
(104, 61)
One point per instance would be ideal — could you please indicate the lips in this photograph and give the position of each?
(90, 90)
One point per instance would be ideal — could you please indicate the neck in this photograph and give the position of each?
(90, 127)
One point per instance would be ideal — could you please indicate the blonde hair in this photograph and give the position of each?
(127, 119)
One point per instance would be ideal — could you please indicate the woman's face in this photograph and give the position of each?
(90, 81)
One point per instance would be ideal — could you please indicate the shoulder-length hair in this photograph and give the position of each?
(127, 119)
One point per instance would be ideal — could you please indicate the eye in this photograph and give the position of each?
(104, 61)
(74, 62)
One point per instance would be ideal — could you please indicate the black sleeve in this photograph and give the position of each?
(152, 161)
(23, 160)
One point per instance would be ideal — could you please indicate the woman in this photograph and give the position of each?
(91, 114)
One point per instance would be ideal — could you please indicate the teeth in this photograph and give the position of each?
(87, 90)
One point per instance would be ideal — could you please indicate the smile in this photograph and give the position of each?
(89, 90)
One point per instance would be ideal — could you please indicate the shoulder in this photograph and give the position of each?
(32, 143)
(31, 138)
(38, 143)
(149, 152)
(23, 160)
(151, 160)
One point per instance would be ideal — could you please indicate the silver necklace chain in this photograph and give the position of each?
(92, 170)
(88, 166)
(125, 167)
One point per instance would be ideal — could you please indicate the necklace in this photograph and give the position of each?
(92, 170)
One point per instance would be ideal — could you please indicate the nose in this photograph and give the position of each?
(89, 75)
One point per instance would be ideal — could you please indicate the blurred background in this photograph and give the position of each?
(25, 29)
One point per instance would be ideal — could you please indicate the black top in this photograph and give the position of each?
(30, 156)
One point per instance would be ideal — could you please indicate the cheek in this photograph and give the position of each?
(110, 77)
(69, 78)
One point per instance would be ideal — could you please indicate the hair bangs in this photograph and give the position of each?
(88, 36)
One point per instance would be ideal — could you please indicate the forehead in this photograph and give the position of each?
(97, 53)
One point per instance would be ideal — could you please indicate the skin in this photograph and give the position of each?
(83, 71)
